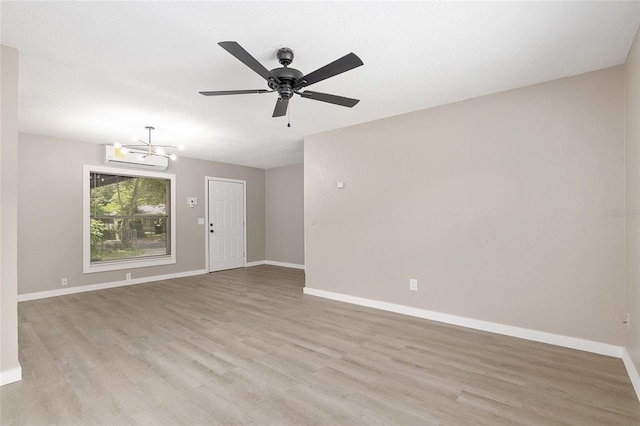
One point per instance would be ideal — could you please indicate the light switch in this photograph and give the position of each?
(413, 284)
(201, 221)
(340, 184)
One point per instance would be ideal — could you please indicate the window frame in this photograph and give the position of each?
(131, 263)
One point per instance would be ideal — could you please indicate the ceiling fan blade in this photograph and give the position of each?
(281, 107)
(245, 57)
(346, 63)
(234, 92)
(332, 99)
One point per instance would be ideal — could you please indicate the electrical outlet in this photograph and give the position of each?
(413, 284)
(627, 320)
(128, 276)
(64, 282)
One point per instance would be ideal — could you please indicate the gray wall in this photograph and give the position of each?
(8, 213)
(496, 205)
(284, 213)
(632, 198)
(50, 213)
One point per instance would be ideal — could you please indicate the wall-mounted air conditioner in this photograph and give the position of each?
(115, 157)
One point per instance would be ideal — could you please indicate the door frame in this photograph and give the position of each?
(207, 180)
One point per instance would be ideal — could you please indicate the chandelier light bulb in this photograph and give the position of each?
(173, 157)
(124, 150)
(117, 145)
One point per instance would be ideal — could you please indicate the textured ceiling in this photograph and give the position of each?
(101, 71)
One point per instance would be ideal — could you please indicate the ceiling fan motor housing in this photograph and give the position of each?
(287, 77)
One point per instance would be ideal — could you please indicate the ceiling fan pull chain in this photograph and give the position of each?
(289, 117)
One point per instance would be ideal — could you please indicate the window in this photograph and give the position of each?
(129, 219)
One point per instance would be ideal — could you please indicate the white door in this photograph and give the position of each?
(226, 225)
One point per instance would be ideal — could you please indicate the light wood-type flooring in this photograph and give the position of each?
(247, 347)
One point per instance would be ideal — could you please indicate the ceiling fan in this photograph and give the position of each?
(289, 81)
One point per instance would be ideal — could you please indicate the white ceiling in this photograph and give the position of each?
(101, 71)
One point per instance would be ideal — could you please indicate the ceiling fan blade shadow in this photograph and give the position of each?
(332, 99)
(245, 57)
(234, 92)
(281, 107)
(346, 63)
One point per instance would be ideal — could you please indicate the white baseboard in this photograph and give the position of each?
(102, 286)
(284, 264)
(10, 376)
(275, 263)
(631, 371)
(523, 333)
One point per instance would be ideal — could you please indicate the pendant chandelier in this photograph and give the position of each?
(146, 149)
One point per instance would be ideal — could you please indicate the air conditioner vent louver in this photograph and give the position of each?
(114, 156)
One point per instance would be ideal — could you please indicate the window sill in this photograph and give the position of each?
(129, 264)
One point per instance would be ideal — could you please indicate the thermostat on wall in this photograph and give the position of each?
(192, 201)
